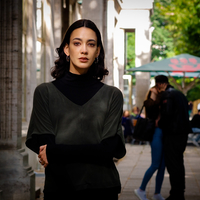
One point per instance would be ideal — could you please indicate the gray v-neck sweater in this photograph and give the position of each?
(99, 118)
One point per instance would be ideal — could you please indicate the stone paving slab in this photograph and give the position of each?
(137, 160)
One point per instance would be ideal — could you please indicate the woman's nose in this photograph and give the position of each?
(84, 49)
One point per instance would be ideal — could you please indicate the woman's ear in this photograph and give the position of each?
(66, 50)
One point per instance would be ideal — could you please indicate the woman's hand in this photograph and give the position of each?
(43, 156)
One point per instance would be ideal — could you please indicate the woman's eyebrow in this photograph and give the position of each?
(90, 40)
(77, 39)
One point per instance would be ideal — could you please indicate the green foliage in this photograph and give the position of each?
(183, 22)
(194, 93)
(130, 53)
(176, 30)
(162, 42)
(130, 50)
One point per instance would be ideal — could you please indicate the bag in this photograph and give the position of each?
(144, 129)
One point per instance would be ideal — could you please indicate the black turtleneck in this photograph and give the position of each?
(78, 88)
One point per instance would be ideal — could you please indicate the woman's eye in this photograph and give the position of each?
(76, 43)
(91, 44)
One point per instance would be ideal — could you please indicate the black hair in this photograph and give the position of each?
(97, 70)
(161, 79)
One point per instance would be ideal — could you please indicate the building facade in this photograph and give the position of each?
(30, 32)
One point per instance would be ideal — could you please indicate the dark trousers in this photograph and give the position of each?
(174, 147)
(87, 194)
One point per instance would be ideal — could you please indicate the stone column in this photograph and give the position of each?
(30, 60)
(17, 180)
(93, 10)
(49, 40)
(57, 12)
(110, 44)
(119, 52)
(97, 11)
(143, 56)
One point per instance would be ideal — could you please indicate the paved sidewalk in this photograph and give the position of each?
(133, 166)
(138, 158)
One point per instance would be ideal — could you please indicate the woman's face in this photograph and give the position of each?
(82, 50)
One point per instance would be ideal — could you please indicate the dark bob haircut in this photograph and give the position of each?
(97, 70)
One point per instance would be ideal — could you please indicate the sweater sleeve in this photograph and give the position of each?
(90, 153)
(38, 140)
(40, 122)
(113, 121)
(102, 152)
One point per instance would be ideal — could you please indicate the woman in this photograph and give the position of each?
(75, 125)
(152, 112)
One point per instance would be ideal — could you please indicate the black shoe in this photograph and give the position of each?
(175, 198)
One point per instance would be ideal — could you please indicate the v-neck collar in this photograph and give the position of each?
(73, 103)
(78, 88)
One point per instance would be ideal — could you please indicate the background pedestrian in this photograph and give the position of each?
(174, 122)
(152, 104)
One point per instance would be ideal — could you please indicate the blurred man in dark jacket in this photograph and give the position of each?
(174, 122)
(195, 124)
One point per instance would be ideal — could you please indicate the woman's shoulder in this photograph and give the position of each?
(44, 85)
(112, 94)
(44, 88)
(112, 89)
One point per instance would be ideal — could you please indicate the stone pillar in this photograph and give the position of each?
(49, 50)
(143, 56)
(97, 11)
(17, 180)
(110, 44)
(57, 12)
(119, 52)
(93, 10)
(64, 16)
(30, 39)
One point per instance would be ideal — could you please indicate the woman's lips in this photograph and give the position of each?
(83, 59)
